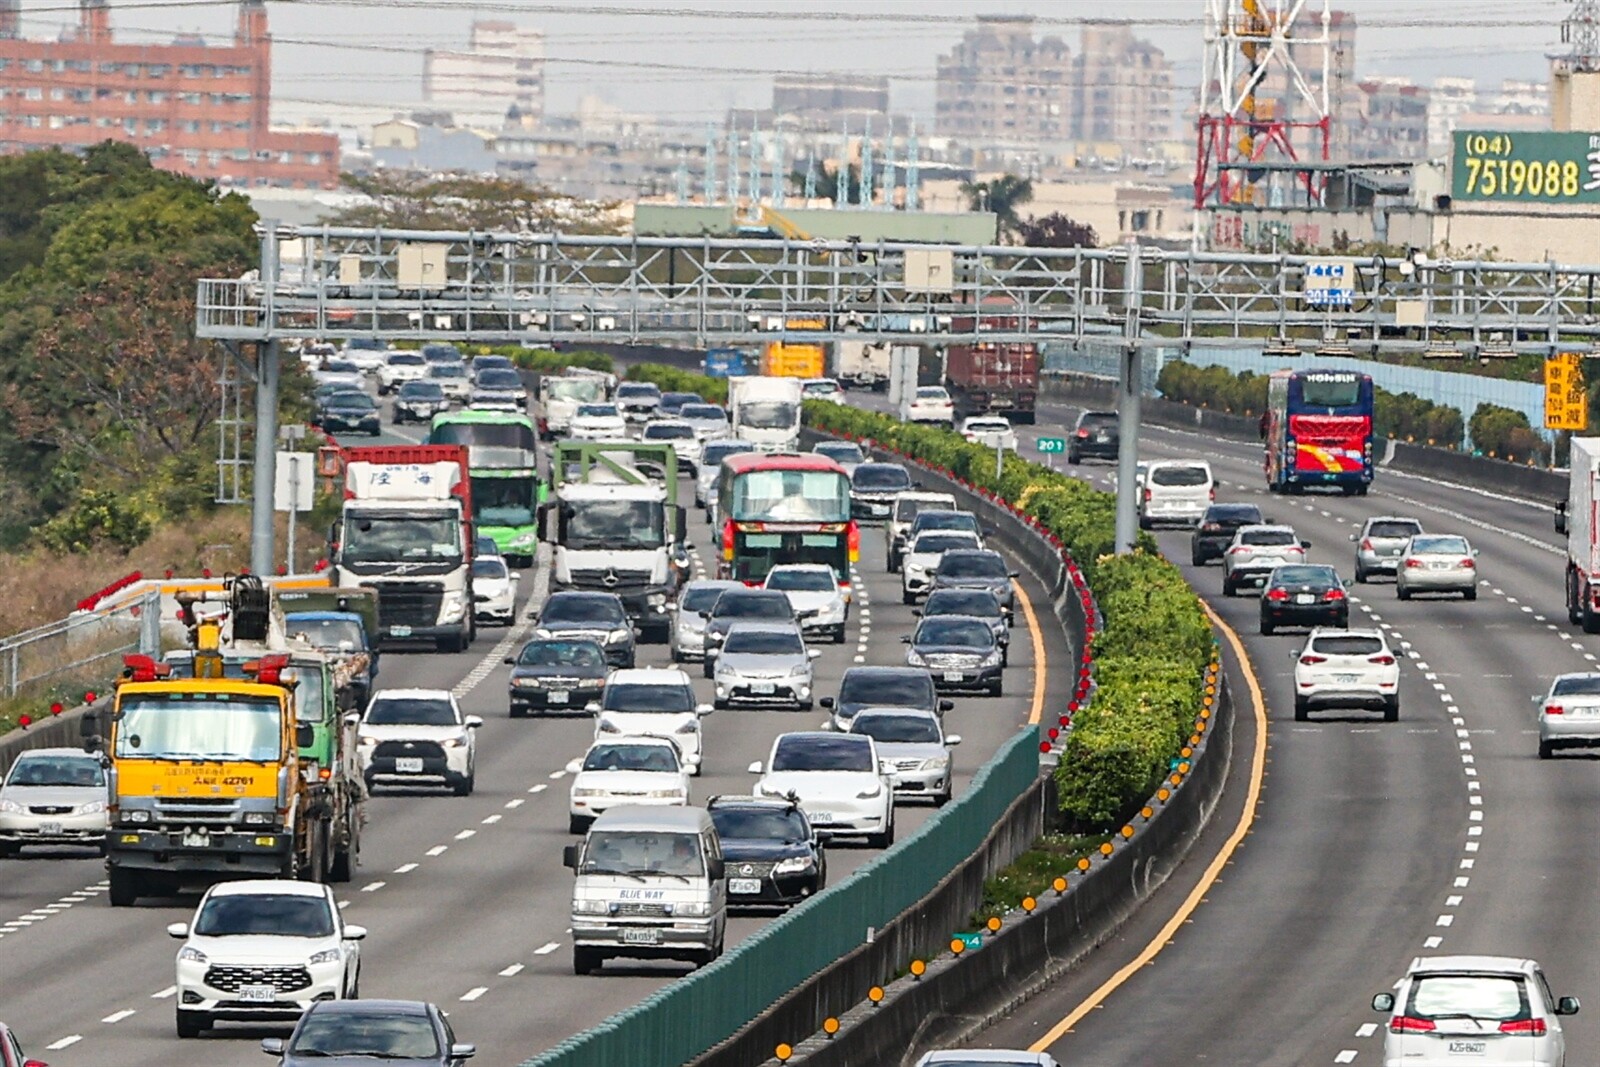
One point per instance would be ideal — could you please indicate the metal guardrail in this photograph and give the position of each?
(84, 648)
(320, 282)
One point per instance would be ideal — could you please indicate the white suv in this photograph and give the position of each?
(1347, 668)
(652, 702)
(398, 368)
(263, 949)
(418, 736)
(1488, 1010)
(1255, 551)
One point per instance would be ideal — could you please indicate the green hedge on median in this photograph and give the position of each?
(1153, 646)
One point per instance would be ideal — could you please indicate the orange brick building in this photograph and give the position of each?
(198, 109)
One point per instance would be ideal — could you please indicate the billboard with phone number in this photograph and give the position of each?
(1538, 167)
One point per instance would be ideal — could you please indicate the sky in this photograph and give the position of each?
(688, 61)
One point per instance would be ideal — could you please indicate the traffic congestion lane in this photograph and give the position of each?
(446, 921)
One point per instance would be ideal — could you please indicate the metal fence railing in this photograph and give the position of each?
(84, 649)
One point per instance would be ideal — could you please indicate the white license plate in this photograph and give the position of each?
(192, 840)
(1440, 565)
(744, 886)
(399, 631)
(1575, 713)
(1305, 598)
(1347, 679)
(821, 816)
(1467, 1048)
(558, 696)
(257, 994)
(763, 688)
(408, 765)
(953, 676)
(49, 828)
(647, 935)
(879, 509)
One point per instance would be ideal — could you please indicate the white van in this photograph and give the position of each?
(649, 886)
(1177, 491)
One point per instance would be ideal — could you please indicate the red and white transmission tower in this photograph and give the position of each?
(1256, 99)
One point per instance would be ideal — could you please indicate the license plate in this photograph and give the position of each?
(953, 676)
(257, 994)
(1347, 679)
(408, 765)
(1305, 598)
(821, 816)
(1575, 713)
(399, 631)
(879, 509)
(558, 696)
(193, 840)
(744, 886)
(49, 828)
(1440, 565)
(648, 935)
(1101, 438)
(1467, 1048)
(763, 687)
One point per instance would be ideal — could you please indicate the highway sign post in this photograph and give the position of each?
(1052, 446)
(1566, 398)
(1329, 283)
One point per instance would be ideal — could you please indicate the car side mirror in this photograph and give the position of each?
(1014, 574)
(574, 766)
(905, 639)
(886, 766)
(592, 708)
(953, 740)
(510, 661)
(718, 870)
(178, 930)
(463, 1051)
(305, 735)
(826, 702)
(813, 653)
(355, 933)
(1352, 537)
(1568, 1006)
(947, 705)
(272, 1046)
(702, 709)
(1305, 544)
(1383, 1002)
(1347, 583)
(916, 613)
(569, 857)
(754, 768)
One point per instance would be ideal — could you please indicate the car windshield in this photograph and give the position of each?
(634, 697)
(574, 388)
(960, 633)
(589, 611)
(942, 542)
(508, 501)
(1577, 685)
(702, 411)
(441, 352)
(1400, 530)
(841, 453)
(801, 581)
(814, 753)
(582, 655)
(1347, 645)
(764, 643)
(406, 359)
(615, 524)
(264, 915)
(664, 431)
(978, 602)
(1493, 998)
(880, 477)
(340, 366)
(787, 826)
(490, 567)
(715, 452)
(733, 605)
(769, 415)
(1454, 546)
(597, 411)
(447, 370)
(944, 520)
(819, 388)
(642, 852)
(385, 537)
(1232, 514)
(200, 726)
(700, 599)
(411, 711)
(632, 757)
(1267, 537)
(899, 689)
(973, 565)
(57, 770)
(352, 400)
(1313, 576)
(638, 391)
(421, 391)
(334, 635)
(499, 378)
(904, 729)
(1180, 476)
(378, 1035)
(932, 394)
(988, 425)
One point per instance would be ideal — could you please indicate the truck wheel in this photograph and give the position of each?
(125, 887)
(316, 867)
(586, 960)
(343, 866)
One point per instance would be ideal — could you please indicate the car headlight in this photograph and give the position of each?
(914, 658)
(616, 637)
(664, 794)
(94, 807)
(11, 807)
(768, 791)
(800, 670)
(525, 683)
(875, 791)
(992, 659)
(936, 763)
(588, 792)
(918, 568)
(528, 538)
(455, 742)
(191, 955)
(137, 816)
(589, 907)
(327, 955)
(692, 910)
(259, 818)
(795, 865)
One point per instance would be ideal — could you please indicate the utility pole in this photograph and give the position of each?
(1130, 374)
(265, 478)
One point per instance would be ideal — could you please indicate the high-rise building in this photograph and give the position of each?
(1000, 87)
(195, 108)
(1393, 120)
(501, 71)
(824, 101)
(1124, 89)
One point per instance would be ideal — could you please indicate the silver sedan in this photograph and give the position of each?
(53, 796)
(913, 743)
(1569, 714)
(763, 663)
(1437, 563)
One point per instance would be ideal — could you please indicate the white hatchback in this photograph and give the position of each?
(1346, 668)
(625, 770)
(1479, 1010)
(598, 422)
(1255, 550)
(418, 737)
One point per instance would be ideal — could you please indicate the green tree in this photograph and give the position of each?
(457, 202)
(1056, 230)
(1003, 196)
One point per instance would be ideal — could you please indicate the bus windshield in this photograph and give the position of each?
(790, 496)
(1330, 390)
(509, 434)
(504, 501)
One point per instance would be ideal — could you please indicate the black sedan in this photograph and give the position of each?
(883, 687)
(977, 569)
(1216, 528)
(599, 617)
(348, 409)
(672, 403)
(343, 1033)
(772, 856)
(419, 402)
(960, 652)
(743, 605)
(872, 490)
(1304, 595)
(979, 603)
(556, 674)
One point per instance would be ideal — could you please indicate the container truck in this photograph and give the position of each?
(862, 364)
(406, 532)
(1583, 548)
(992, 378)
(765, 412)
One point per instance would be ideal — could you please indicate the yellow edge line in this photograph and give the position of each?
(1246, 819)
(1040, 659)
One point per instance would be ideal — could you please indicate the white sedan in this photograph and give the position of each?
(598, 422)
(53, 796)
(823, 389)
(931, 403)
(1569, 714)
(339, 372)
(990, 431)
(625, 770)
(1347, 668)
(496, 585)
(838, 779)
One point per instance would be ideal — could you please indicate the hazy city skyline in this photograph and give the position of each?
(696, 59)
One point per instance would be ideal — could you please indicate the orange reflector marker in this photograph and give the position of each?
(1028, 903)
(993, 923)
(1163, 794)
(783, 1052)
(1147, 811)
(1183, 768)
(830, 1026)
(957, 946)
(875, 994)
(1177, 779)
(1106, 849)
(918, 968)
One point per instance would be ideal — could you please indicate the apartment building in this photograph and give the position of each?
(502, 71)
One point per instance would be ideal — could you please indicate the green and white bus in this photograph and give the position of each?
(503, 469)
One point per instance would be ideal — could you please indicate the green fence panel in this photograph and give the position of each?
(678, 1022)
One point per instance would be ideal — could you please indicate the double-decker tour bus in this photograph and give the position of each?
(1318, 430)
(784, 508)
(503, 472)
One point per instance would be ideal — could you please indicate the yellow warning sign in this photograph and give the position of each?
(1566, 400)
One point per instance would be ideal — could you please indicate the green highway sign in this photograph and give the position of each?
(1048, 445)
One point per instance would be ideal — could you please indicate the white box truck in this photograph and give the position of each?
(765, 412)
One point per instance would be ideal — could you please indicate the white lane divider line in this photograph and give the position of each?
(1452, 902)
(514, 804)
(1444, 920)
(373, 887)
(343, 904)
(437, 850)
(490, 820)
(118, 1016)
(1433, 942)
(546, 948)
(558, 774)
(511, 971)
(475, 992)
(540, 788)
(65, 1042)
(1347, 1056)
(1366, 1029)
(405, 868)
(163, 994)
(464, 834)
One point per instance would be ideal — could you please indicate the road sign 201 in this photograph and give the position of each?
(1048, 445)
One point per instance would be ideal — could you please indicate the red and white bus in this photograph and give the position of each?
(784, 508)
